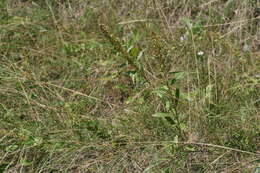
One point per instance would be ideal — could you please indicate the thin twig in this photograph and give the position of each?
(197, 143)
(82, 94)
(135, 21)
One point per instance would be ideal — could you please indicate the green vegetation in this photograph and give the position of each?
(129, 86)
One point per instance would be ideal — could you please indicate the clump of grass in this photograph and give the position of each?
(183, 98)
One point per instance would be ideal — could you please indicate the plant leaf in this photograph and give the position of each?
(161, 115)
(168, 117)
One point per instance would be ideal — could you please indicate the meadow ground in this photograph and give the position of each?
(129, 86)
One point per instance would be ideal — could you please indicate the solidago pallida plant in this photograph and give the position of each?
(159, 51)
(118, 45)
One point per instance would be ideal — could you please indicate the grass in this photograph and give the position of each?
(149, 86)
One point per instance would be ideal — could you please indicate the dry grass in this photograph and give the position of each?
(162, 86)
